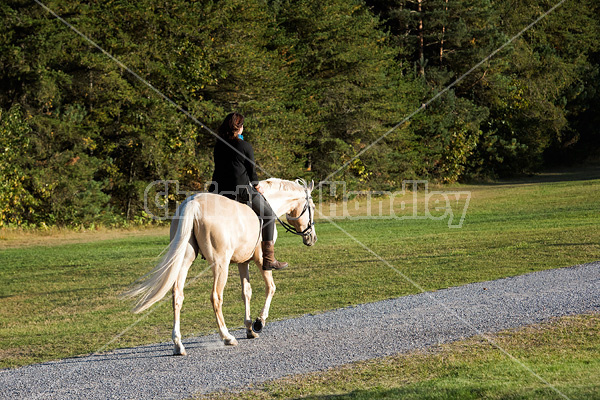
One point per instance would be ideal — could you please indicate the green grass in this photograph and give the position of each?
(61, 300)
(563, 354)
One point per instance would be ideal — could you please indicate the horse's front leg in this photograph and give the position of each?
(246, 296)
(269, 292)
(220, 272)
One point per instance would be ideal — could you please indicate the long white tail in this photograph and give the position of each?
(162, 278)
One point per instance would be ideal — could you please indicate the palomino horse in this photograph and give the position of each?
(224, 231)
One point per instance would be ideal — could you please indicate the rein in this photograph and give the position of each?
(290, 228)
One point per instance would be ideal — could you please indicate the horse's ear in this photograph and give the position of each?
(311, 186)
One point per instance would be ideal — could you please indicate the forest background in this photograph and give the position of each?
(318, 81)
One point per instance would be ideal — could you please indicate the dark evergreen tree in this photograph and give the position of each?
(322, 84)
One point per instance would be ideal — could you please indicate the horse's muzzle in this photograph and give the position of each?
(310, 239)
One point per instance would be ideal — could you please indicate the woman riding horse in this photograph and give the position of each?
(235, 177)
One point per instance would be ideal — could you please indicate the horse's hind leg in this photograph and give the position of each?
(220, 272)
(246, 296)
(190, 256)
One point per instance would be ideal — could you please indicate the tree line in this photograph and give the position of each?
(320, 83)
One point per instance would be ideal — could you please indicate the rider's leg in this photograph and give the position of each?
(264, 211)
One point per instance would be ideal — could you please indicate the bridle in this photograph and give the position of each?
(308, 230)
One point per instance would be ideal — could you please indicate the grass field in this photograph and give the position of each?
(58, 296)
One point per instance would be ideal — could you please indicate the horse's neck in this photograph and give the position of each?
(282, 201)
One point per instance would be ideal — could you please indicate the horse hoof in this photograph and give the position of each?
(257, 326)
(231, 342)
(250, 334)
(179, 352)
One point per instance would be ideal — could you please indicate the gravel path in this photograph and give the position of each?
(313, 342)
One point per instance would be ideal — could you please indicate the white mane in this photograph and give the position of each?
(282, 184)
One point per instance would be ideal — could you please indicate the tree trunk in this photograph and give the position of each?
(443, 32)
(421, 45)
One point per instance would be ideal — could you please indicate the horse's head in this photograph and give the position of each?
(302, 214)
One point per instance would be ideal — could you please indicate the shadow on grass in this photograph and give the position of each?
(431, 392)
(421, 392)
(552, 176)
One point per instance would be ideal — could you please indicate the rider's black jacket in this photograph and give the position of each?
(233, 169)
(234, 172)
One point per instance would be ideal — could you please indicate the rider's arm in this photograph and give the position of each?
(250, 164)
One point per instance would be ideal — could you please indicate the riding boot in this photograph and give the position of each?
(269, 261)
